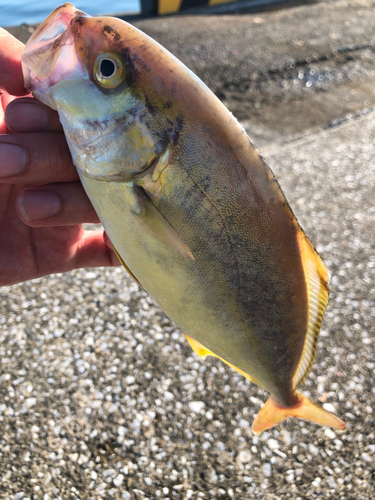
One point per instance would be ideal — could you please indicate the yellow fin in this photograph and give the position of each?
(203, 352)
(123, 263)
(198, 348)
(316, 276)
(272, 413)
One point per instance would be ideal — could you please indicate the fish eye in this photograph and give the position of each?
(109, 70)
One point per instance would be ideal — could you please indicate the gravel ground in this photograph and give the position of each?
(101, 396)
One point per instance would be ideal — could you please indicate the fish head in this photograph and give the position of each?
(102, 76)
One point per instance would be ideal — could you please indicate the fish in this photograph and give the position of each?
(190, 206)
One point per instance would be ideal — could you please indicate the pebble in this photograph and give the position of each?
(129, 380)
(273, 444)
(331, 482)
(313, 449)
(329, 407)
(108, 472)
(289, 478)
(118, 480)
(329, 433)
(196, 406)
(168, 396)
(244, 456)
(267, 469)
(316, 482)
(29, 402)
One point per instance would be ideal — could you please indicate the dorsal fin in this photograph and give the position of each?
(316, 276)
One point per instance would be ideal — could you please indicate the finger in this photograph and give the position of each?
(56, 205)
(29, 115)
(93, 252)
(36, 158)
(11, 77)
(5, 100)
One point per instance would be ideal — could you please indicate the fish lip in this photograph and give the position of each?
(52, 36)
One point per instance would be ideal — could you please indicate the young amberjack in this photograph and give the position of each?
(193, 211)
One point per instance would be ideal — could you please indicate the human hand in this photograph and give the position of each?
(42, 202)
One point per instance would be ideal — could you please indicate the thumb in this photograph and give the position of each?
(11, 77)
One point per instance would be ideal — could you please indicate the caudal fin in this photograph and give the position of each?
(272, 413)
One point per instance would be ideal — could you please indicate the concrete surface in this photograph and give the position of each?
(100, 395)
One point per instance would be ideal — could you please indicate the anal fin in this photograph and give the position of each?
(273, 413)
(203, 352)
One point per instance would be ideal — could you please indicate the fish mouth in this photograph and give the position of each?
(49, 54)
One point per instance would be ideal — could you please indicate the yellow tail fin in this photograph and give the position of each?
(272, 413)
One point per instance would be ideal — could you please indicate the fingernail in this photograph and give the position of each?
(13, 159)
(39, 204)
(26, 117)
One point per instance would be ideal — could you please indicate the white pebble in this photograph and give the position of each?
(121, 431)
(244, 457)
(90, 275)
(109, 472)
(273, 444)
(196, 406)
(29, 402)
(168, 396)
(329, 407)
(331, 482)
(287, 438)
(313, 449)
(267, 470)
(366, 457)
(289, 478)
(329, 433)
(316, 482)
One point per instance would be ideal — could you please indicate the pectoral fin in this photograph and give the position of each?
(203, 352)
(159, 226)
